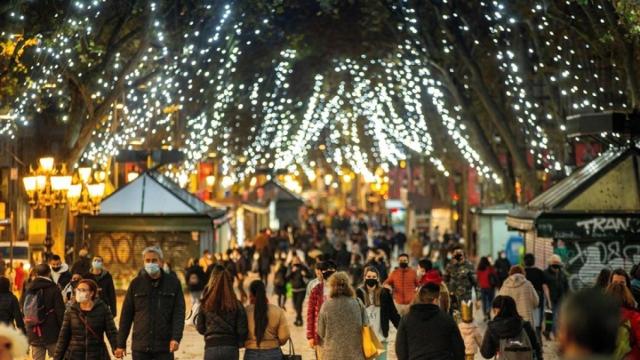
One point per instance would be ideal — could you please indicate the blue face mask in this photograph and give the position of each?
(152, 268)
(97, 265)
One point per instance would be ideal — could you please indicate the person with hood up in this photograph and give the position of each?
(522, 292)
(59, 272)
(106, 287)
(508, 324)
(43, 313)
(85, 325)
(427, 332)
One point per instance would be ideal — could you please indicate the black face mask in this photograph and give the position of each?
(458, 257)
(371, 282)
(555, 267)
(404, 265)
(56, 268)
(327, 274)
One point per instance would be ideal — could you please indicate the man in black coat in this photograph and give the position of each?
(427, 332)
(154, 305)
(106, 287)
(59, 272)
(43, 334)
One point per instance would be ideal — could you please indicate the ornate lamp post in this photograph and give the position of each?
(86, 192)
(47, 187)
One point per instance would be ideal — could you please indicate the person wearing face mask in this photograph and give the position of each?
(460, 277)
(558, 283)
(106, 288)
(403, 282)
(379, 306)
(318, 296)
(154, 306)
(59, 272)
(68, 293)
(85, 325)
(297, 276)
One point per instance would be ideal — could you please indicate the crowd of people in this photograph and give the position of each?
(352, 274)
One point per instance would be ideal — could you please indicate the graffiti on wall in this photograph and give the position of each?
(588, 258)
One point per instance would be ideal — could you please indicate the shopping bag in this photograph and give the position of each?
(292, 353)
(371, 346)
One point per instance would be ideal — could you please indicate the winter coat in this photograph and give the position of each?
(82, 333)
(504, 328)
(196, 272)
(484, 278)
(502, 267)
(82, 266)
(10, 311)
(471, 337)
(316, 298)
(388, 311)
(633, 316)
(280, 280)
(156, 310)
(298, 278)
(61, 277)
(404, 283)
(522, 291)
(53, 311)
(558, 284)
(226, 329)
(427, 332)
(106, 289)
(340, 323)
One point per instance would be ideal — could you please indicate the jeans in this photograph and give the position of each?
(556, 311)
(221, 353)
(40, 352)
(298, 300)
(270, 354)
(487, 296)
(141, 355)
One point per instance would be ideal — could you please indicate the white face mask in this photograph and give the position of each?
(81, 297)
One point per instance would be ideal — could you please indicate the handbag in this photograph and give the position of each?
(292, 353)
(371, 345)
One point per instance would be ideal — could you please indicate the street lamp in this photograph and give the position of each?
(47, 188)
(86, 192)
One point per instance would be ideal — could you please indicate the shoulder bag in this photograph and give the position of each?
(371, 346)
(292, 353)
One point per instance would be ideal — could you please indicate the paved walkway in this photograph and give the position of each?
(192, 347)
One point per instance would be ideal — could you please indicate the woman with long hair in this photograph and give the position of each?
(508, 324)
(340, 321)
(627, 346)
(487, 281)
(522, 292)
(85, 324)
(268, 328)
(222, 319)
(379, 306)
(603, 279)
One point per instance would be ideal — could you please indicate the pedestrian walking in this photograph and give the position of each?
(19, 278)
(522, 292)
(43, 313)
(106, 287)
(508, 334)
(558, 283)
(502, 266)
(267, 325)
(340, 321)
(10, 313)
(280, 281)
(427, 332)
(154, 306)
(83, 264)
(222, 319)
(588, 326)
(13, 343)
(460, 278)
(539, 281)
(487, 281)
(469, 331)
(356, 270)
(242, 269)
(59, 272)
(379, 307)
(403, 282)
(195, 277)
(317, 297)
(85, 325)
(628, 342)
(297, 276)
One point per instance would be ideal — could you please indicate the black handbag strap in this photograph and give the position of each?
(292, 351)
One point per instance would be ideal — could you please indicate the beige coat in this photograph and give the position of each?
(522, 291)
(276, 333)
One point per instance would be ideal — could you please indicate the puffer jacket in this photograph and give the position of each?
(106, 289)
(10, 312)
(226, 329)
(82, 333)
(156, 310)
(522, 291)
(404, 283)
(52, 310)
(504, 328)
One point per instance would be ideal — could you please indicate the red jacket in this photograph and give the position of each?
(432, 276)
(483, 277)
(634, 320)
(316, 298)
(404, 283)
